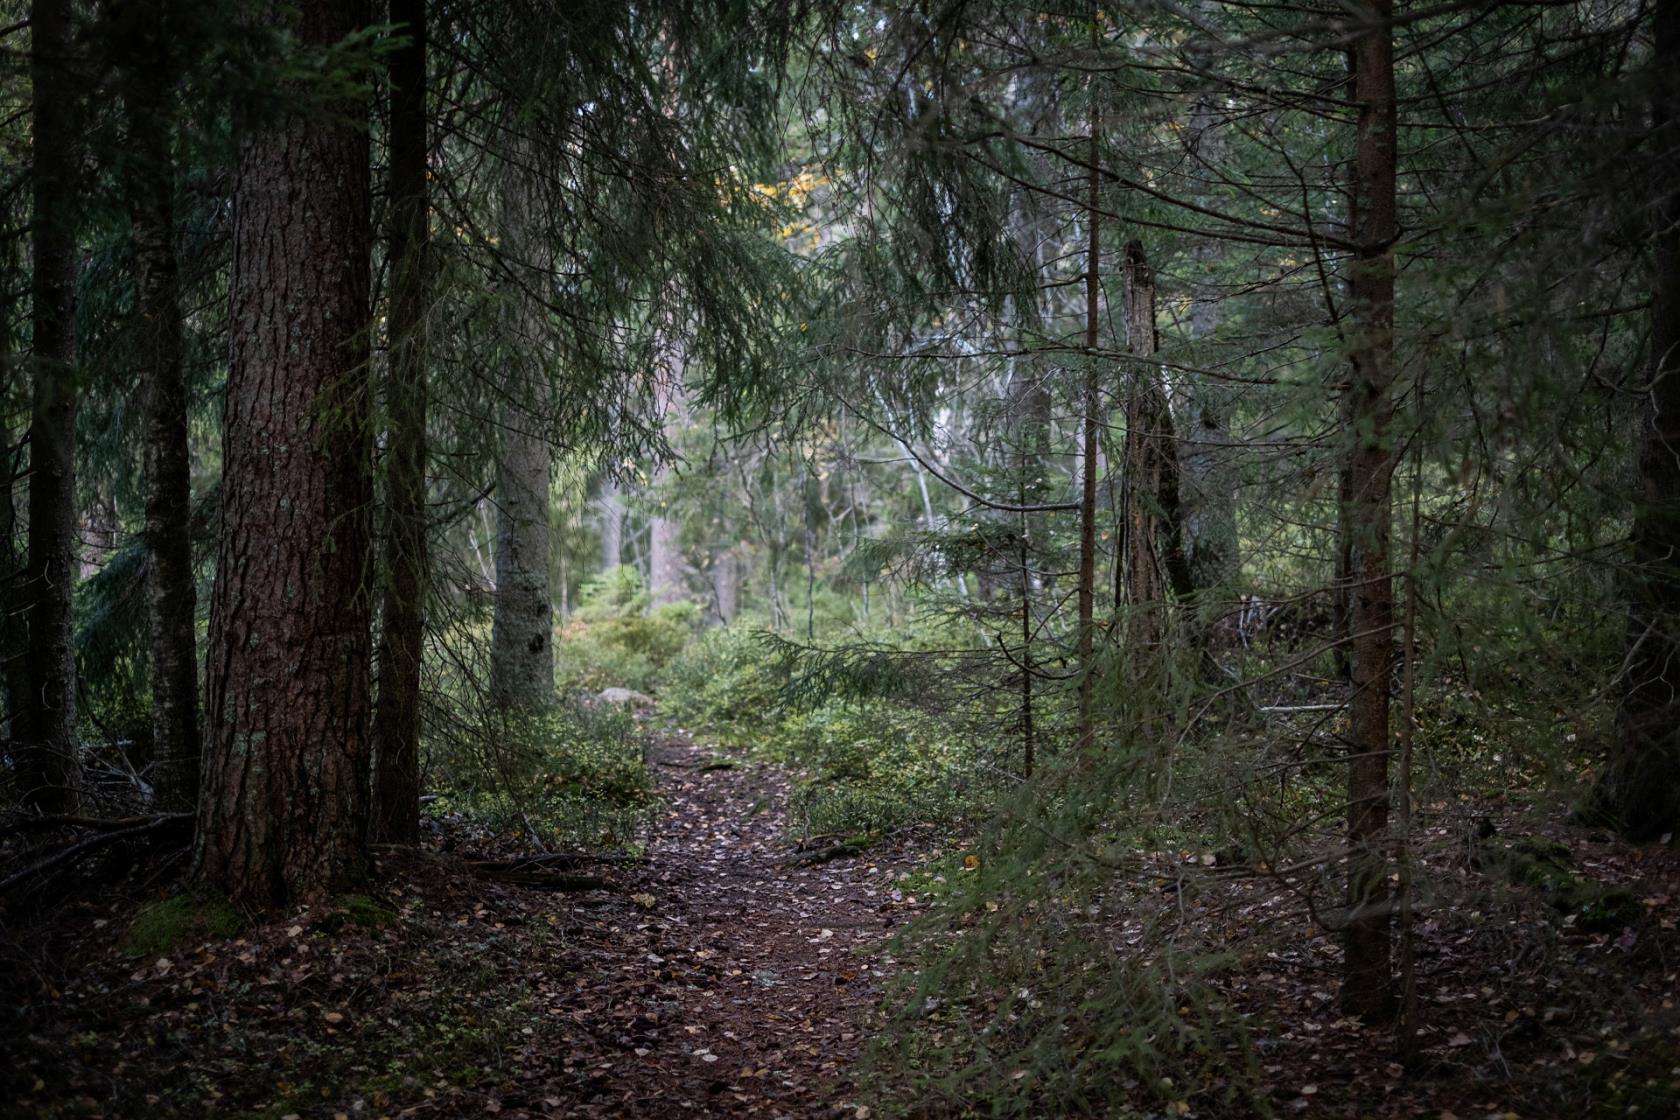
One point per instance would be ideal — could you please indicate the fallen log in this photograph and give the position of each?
(538, 879)
(67, 856)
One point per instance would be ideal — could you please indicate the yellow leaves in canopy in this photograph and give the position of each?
(796, 189)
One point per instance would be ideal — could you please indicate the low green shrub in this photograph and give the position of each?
(728, 683)
(617, 639)
(874, 766)
(864, 765)
(575, 775)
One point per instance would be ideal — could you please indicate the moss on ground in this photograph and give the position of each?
(164, 926)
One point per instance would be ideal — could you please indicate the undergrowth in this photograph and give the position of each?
(864, 765)
(617, 638)
(575, 776)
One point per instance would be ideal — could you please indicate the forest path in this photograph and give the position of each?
(732, 981)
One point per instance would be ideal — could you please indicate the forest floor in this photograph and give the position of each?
(728, 973)
(719, 976)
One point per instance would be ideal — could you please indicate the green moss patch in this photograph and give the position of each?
(167, 925)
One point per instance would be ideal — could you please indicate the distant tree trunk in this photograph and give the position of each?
(97, 534)
(1367, 983)
(1641, 785)
(48, 752)
(612, 526)
(14, 635)
(14, 676)
(667, 580)
(1342, 580)
(283, 815)
(726, 583)
(1090, 404)
(396, 718)
(150, 66)
(522, 629)
(1152, 554)
(1207, 487)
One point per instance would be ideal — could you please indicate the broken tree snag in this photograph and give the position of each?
(1152, 552)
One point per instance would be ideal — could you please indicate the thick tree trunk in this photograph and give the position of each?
(171, 595)
(396, 718)
(47, 751)
(522, 630)
(283, 816)
(1641, 786)
(1367, 983)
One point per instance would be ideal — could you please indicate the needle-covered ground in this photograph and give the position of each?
(730, 973)
(722, 975)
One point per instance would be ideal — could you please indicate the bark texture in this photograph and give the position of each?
(1641, 785)
(14, 389)
(47, 750)
(1153, 561)
(396, 721)
(171, 595)
(1367, 982)
(522, 629)
(283, 816)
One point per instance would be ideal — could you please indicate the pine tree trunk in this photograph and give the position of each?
(612, 526)
(1341, 589)
(1641, 785)
(14, 633)
(726, 583)
(171, 595)
(1208, 488)
(1086, 591)
(14, 654)
(667, 580)
(522, 629)
(396, 719)
(283, 816)
(48, 752)
(1367, 983)
(1153, 554)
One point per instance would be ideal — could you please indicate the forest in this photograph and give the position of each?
(840, 558)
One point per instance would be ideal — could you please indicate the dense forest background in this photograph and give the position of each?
(1173, 508)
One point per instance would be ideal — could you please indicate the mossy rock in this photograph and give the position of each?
(164, 926)
(1598, 907)
(1545, 865)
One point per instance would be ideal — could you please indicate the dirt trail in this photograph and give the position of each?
(711, 979)
(728, 982)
